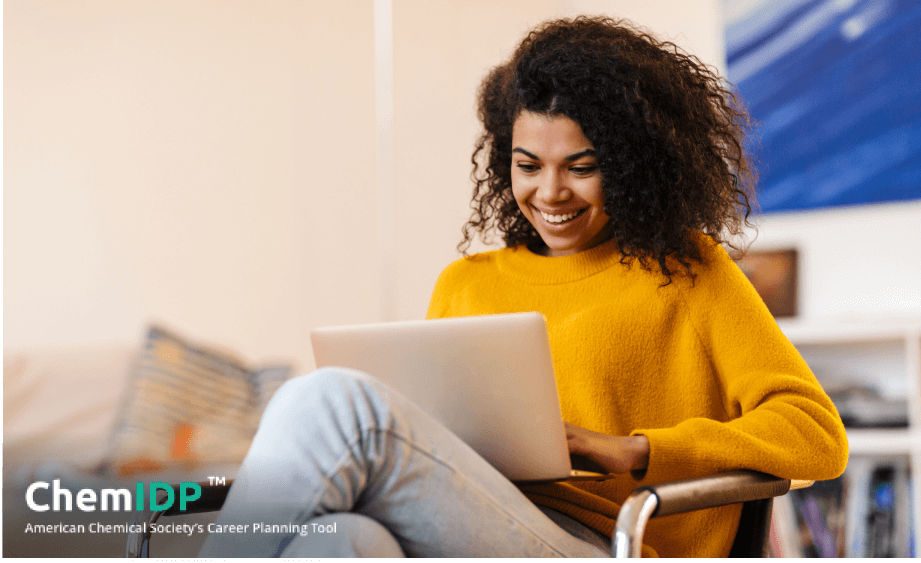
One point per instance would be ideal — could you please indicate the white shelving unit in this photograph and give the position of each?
(886, 355)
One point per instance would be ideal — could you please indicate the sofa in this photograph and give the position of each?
(62, 409)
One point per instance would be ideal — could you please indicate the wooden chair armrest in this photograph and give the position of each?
(686, 496)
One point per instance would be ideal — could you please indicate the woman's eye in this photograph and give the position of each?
(583, 170)
(527, 167)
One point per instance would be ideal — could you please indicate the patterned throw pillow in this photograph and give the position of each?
(186, 405)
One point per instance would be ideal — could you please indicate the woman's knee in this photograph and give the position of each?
(324, 380)
(330, 388)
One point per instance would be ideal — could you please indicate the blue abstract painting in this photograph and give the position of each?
(834, 87)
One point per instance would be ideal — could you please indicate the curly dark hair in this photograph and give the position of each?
(667, 132)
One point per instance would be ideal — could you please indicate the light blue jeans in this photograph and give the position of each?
(346, 466)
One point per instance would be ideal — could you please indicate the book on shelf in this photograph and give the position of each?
(912, 548)
(864, 513)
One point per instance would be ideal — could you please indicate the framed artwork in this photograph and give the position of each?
(833, 88)
(774, 275)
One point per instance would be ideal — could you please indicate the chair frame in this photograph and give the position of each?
(755, 490)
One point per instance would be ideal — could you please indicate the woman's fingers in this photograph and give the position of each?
(578, 439)
(617, 454)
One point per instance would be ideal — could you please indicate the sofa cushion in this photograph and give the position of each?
(188, 404)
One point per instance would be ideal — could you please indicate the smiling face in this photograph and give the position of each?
(557, 183)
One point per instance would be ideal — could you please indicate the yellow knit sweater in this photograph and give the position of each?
(701, 369)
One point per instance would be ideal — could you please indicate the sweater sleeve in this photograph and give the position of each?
(781, 421)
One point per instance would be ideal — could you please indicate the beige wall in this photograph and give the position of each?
(856, 263)
(212, 164)
(216, 165)
(206, 163)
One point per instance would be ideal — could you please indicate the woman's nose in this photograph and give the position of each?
(553, 188)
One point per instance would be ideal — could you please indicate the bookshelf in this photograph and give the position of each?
(872, 370)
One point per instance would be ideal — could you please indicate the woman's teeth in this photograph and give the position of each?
(557, 219)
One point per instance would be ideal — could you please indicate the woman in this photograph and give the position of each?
(612, 166)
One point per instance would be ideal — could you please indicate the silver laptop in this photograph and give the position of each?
(489, 379)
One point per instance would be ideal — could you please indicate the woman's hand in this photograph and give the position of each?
(617, 454)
